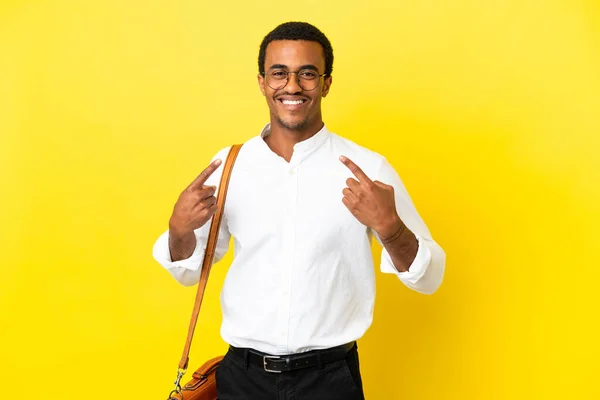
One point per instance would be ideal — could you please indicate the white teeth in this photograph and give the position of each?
(292, 102)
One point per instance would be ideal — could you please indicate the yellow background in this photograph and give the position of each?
(489, 110)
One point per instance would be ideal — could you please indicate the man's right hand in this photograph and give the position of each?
(195, 206)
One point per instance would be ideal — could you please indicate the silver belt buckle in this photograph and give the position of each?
(265, 358)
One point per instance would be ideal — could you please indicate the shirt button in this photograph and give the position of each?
(292, 171)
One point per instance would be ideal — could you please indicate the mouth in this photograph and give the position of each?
(292, 104)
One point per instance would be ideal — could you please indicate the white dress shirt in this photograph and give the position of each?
(302, 277)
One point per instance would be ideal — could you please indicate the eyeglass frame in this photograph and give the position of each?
(287, 79)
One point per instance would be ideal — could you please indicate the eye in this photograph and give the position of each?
(278, 74)
(308, 74)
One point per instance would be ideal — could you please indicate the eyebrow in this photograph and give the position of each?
(306, 66)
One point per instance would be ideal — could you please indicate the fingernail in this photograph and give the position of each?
(343, 159)
(217, 162)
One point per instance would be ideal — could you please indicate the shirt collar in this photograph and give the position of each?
(306, 146)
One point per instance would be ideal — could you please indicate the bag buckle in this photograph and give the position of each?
(274, 358)
(177, 390)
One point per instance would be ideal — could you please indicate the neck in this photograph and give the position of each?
(282, 140)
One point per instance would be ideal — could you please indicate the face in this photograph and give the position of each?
(292, 107)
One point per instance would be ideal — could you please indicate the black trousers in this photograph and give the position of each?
(239, 380)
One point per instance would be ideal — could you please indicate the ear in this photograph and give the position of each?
(326, 85)
(261, 84)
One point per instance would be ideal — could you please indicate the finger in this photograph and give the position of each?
(346, 202)
(204, 175)
(207, 203)
(362, 177)
(349, 205)
(387, 188)
(206, 192)
(348, 194)
(353, 184)
(206, 213)
(210, 211)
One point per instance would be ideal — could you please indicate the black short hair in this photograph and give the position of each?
(297, 31)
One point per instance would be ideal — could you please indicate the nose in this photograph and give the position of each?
(293, 85)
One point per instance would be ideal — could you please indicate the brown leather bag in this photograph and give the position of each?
(203, 385)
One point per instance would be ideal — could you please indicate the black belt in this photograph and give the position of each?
(279, 364)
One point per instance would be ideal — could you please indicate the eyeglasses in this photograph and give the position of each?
(277, 79)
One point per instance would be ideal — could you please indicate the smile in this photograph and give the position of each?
(292, 104)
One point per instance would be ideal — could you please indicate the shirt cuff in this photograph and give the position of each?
(417, 268)
(162, 254)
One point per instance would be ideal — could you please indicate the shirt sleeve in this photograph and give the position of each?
(426, 273)
(187, 271)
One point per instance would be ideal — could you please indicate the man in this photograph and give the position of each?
(303, 205)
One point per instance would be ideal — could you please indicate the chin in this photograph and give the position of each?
(293, 125)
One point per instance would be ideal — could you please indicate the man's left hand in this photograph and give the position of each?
(371, 202)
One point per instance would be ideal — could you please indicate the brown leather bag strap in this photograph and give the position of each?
(209, 252)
